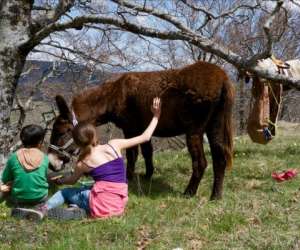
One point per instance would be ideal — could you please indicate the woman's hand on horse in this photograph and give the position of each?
(156, 107)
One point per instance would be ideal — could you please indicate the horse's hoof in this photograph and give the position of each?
(189, 193)
(216, 197)
(147, 177)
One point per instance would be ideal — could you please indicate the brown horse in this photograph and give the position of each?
(196, 99)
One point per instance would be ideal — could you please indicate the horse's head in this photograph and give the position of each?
(61, 145)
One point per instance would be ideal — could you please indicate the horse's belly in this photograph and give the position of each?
(169, 132)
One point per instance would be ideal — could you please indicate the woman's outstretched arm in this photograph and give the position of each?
(79, 170)
(120, 144)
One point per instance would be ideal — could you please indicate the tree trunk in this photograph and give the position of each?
(14, 33)
(11, 65)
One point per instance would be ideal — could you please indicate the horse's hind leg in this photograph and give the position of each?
(199, 163)
(131, 155)
(217, 144)
(147, 152)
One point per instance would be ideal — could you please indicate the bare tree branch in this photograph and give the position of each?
(160, 14)
(28, 71)
(53, 14)
(21, 107)
(200, 41)
(267, 27)
(227, 13)
(295, 3)
(82, 54)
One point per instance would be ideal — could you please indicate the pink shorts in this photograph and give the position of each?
(108, 199)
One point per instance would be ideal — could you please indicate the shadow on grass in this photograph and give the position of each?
(153, 188)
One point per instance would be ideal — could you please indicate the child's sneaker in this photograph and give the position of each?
(29, 213)
(70, 213)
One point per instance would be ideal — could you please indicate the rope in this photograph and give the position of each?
(273, 124)
(273, 93)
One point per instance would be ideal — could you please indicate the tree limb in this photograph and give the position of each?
(182, 33)
(53, 14)
(81, 54)
(160, 14)
(210, 15)
(267, 27)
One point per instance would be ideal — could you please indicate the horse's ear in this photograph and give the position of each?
(62, 106)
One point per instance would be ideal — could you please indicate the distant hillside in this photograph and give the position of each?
(65, 79)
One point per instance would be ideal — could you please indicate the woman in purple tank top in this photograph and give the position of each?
(104, 163)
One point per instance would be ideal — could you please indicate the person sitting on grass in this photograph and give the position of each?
(24, 177)
(109, 194)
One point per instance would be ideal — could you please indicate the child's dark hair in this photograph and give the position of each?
(32, 135)
(85, 136)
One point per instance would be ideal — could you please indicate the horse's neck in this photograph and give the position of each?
(92, 104)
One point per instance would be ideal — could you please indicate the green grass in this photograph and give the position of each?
(255, 213)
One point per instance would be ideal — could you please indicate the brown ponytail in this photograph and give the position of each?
(85, 136)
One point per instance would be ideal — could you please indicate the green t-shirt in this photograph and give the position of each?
(27, 185)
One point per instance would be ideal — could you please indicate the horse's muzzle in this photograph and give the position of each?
(56, 163)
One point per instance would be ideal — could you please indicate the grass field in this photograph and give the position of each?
(255, 213)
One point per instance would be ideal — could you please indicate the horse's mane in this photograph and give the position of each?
(86, 103)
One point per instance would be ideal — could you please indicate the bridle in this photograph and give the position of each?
(64, 149)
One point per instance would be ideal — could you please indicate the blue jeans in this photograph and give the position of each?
(77, 196)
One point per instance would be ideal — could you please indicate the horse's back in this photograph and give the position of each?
(201, 78)
(188, 95)
(204, 80)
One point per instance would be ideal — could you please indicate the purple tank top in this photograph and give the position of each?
(113, 171)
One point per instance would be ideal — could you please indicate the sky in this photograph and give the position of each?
(141, 19)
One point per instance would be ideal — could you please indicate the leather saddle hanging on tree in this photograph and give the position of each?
(265, 106)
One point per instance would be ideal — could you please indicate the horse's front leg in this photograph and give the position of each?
(147, 152)
(131, 155)
(199, 163)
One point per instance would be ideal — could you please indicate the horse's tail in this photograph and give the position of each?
(227, 106)
(219, 129)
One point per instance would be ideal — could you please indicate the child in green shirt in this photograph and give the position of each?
(25, 174)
